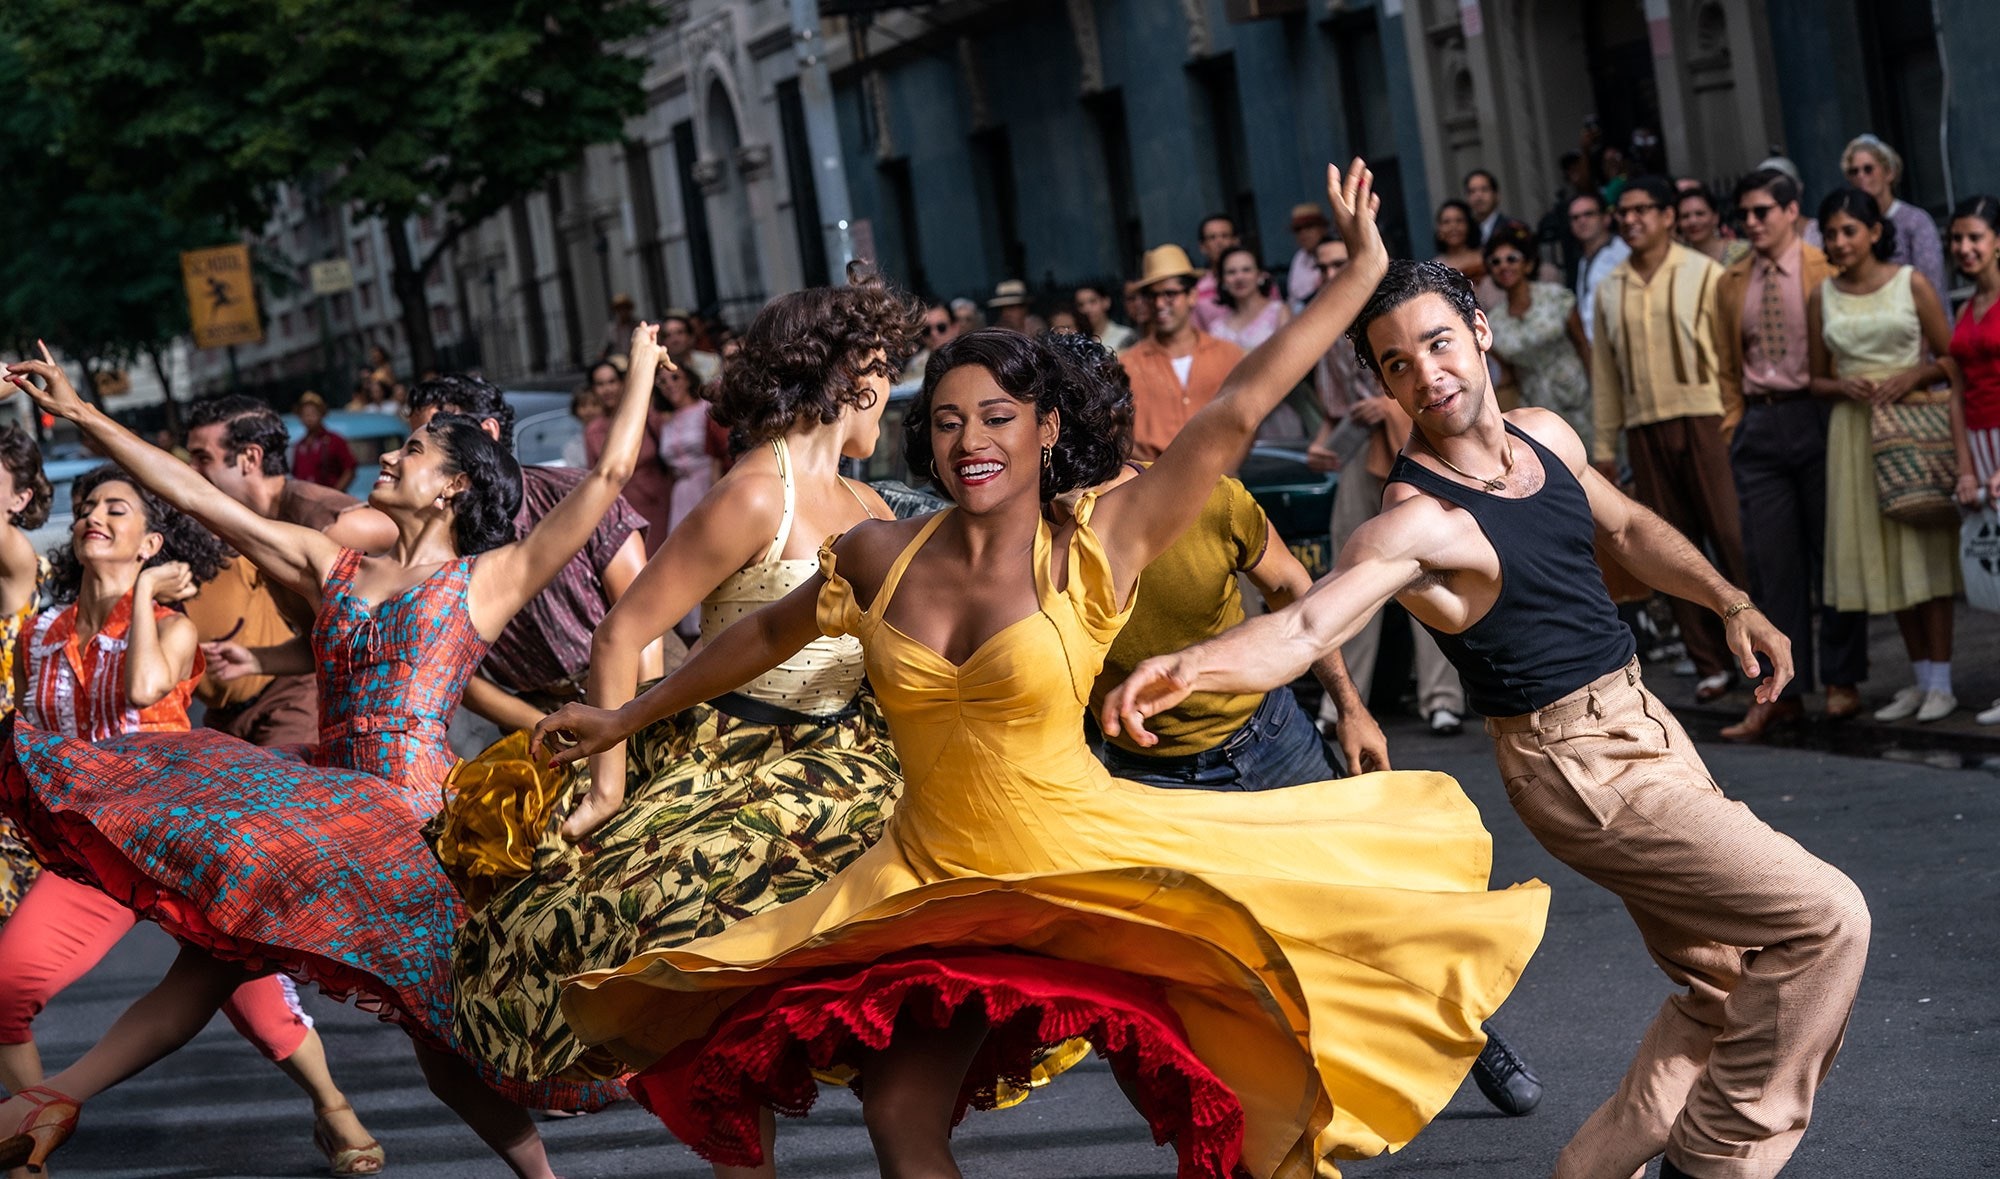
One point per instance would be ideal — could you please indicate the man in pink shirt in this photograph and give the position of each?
(1777, 431)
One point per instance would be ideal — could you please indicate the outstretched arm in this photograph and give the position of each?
(1282, 580)
(1139, 519)
(504, 579)
(1382, 558)
(296, 558)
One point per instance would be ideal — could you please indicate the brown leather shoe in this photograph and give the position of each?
(1762, 718)
(1843, 701)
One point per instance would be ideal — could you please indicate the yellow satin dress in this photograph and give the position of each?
(1330, 948)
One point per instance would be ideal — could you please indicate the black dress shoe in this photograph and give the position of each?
(1505, 1078)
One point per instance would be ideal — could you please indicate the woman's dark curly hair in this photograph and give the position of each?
(182, 537)
(804, 358)
(22, 456)
(1862, 207)
(1071, 375)
(482, 514)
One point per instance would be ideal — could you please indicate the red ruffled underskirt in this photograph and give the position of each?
(764, 1051)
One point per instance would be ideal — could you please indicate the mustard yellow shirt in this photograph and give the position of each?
(1652, 357)
(1189, 593)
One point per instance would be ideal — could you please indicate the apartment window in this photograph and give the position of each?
(1221, 113)
(440, 321)
(1371, 132)
(361, 254)
(1906, 92)
(285, 324)
(993, 164)
(646, 219)
(903, 197)
(694, 211)
(1114, 145)
(367, 291)
(805, 188)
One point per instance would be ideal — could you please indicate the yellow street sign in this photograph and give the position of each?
(222, 300)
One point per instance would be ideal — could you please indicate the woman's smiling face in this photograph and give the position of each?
(986, 443)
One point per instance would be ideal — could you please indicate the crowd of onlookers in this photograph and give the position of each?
(1783, 381)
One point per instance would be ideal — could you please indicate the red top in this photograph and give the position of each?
(1975, 345)
(322, 458)
(78, 689)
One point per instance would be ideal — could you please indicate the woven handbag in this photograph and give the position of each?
(1916, 465)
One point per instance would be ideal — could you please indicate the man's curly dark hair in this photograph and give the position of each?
(1070, 375)
(475, 397)
(249, 422)
(804, 358)
(1406, 280)
(183, 538)
(22, 456)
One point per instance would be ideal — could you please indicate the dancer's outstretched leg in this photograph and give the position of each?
(499, 1123)
(912, 1090)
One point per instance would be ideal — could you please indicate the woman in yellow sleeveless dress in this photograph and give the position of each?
(1873, 322)
(1279, 979)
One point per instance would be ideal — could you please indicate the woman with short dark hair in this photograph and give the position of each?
(312, 863)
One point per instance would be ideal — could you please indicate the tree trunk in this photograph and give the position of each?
(167, 388)
(408, 282)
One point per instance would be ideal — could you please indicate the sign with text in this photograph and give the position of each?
(222, 299)
(332, 276)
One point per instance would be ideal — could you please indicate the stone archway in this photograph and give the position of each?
(725, 172)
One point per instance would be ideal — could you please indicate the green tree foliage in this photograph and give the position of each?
(451, 107)
(95, 272)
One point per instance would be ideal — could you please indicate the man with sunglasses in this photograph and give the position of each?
(1653, 378)
(1776, 430)
(1177, 368)
(939, 329)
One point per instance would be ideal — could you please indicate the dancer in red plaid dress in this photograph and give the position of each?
(312, 863)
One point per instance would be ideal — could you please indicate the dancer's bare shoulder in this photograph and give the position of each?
(1548, 428)
(864, 553)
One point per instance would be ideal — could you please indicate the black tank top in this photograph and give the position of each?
(1553, 628)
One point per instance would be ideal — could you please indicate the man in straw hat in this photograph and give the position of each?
(1009, 306)
(1177, 368)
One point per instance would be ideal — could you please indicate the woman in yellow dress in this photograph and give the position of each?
(1278, 979)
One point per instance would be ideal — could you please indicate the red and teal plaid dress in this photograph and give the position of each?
(308, 860)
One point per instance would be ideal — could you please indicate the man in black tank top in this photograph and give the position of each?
(1486, 538)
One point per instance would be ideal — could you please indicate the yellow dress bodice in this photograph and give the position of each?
(1331, 948)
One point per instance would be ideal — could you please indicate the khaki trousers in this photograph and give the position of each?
(1768, 940)
(1356, 500)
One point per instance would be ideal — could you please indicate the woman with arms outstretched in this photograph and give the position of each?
(323, 872)
(1278, 978)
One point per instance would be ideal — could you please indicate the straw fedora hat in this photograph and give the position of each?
(1162, 263)
(1011, 293)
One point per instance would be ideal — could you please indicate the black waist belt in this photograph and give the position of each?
(1774, 396)
(762, 712)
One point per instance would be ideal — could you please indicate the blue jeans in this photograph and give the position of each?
(1277, 746)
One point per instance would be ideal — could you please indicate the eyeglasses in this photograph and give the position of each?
(1164, 294)
(938, 329)
(1864, 168)
(1505, 260)
(1758, 212)
(1628, 211)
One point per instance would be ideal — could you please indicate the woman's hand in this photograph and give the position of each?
(1890, 390)
(55, 394)
(166, 584)
(1857, 389)
(1968, 489)
(646, 348)
(1355, 204)
(574, 732)
(231, 661)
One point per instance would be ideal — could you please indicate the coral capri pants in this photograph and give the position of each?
(63, 928)
(1766, 940)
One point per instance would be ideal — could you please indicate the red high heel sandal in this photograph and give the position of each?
(50, 1121)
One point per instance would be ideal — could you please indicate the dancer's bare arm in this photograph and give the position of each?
(1282, 580)
(1140, 518)
(722, 534)
(1656, 553)
(1394, 552)
(294, 557)
(504, 579)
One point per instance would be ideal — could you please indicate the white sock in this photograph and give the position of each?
(1923, 669)
(1941, 676)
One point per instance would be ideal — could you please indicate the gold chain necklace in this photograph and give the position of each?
(1494, 484)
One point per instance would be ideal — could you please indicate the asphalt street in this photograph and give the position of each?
(1915, 1092)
